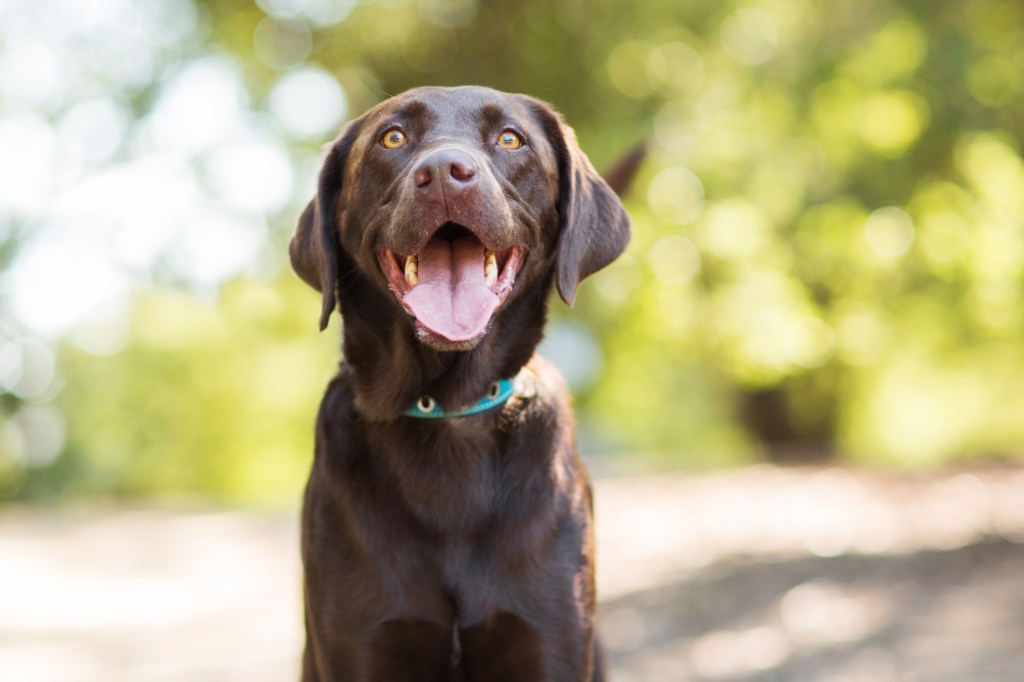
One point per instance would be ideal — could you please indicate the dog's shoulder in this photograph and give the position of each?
(337, 414)
(541, 396)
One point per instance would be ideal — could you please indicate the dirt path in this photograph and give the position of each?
(763, 574)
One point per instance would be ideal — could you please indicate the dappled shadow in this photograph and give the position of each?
(760, 575)
(953, 615)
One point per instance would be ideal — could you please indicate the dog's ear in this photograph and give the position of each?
(594, 225)
(314, 247)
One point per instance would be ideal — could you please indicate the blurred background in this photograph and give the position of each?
(826, 269)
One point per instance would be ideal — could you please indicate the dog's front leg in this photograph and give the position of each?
(505, 648)
(395, 651)
(329, 658)
(363, 623)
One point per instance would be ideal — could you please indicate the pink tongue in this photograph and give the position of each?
(452, 300)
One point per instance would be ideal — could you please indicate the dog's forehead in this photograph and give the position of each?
(455, 111)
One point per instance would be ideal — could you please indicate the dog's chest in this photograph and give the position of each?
(450, 477)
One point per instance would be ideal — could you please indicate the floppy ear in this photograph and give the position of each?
(594, 225)
(314, 248)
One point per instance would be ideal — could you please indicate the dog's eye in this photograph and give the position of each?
(509, 140)
(393, 139)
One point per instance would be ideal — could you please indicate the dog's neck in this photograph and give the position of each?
(393, 368)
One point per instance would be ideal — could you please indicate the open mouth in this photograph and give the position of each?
(453, 285)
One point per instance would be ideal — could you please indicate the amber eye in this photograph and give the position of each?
(393, 139)
(509, 140)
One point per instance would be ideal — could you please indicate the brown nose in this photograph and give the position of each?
(444, 171)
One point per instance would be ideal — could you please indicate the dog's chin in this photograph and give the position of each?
(440, 344)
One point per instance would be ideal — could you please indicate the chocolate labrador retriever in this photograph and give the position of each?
(446, 530)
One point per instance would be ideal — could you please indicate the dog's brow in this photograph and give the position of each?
(491, 115)
(414, 109)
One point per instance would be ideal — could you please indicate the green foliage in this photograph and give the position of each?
(828, 250)
(212, 398)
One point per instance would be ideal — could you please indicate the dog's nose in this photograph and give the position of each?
(443, 170)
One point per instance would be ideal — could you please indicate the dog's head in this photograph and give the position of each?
(453, 200)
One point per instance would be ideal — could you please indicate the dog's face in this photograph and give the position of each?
(452, 200)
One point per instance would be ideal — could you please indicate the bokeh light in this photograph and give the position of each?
(827, 250)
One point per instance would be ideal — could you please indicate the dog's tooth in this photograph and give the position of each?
(490, 268)
(412, 270)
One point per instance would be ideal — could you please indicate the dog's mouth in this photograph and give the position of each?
(454, 284)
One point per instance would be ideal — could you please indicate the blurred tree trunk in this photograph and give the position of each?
(768, 414)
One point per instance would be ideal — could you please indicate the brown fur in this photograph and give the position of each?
(458, 549)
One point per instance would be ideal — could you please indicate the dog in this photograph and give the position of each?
(447, 523)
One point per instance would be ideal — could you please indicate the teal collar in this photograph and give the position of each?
(497, 394)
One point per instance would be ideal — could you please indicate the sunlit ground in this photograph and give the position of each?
(763, 574)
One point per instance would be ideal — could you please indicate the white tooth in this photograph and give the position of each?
(412, 270)
(490, 268)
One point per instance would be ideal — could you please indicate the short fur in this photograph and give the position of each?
(458, 549)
